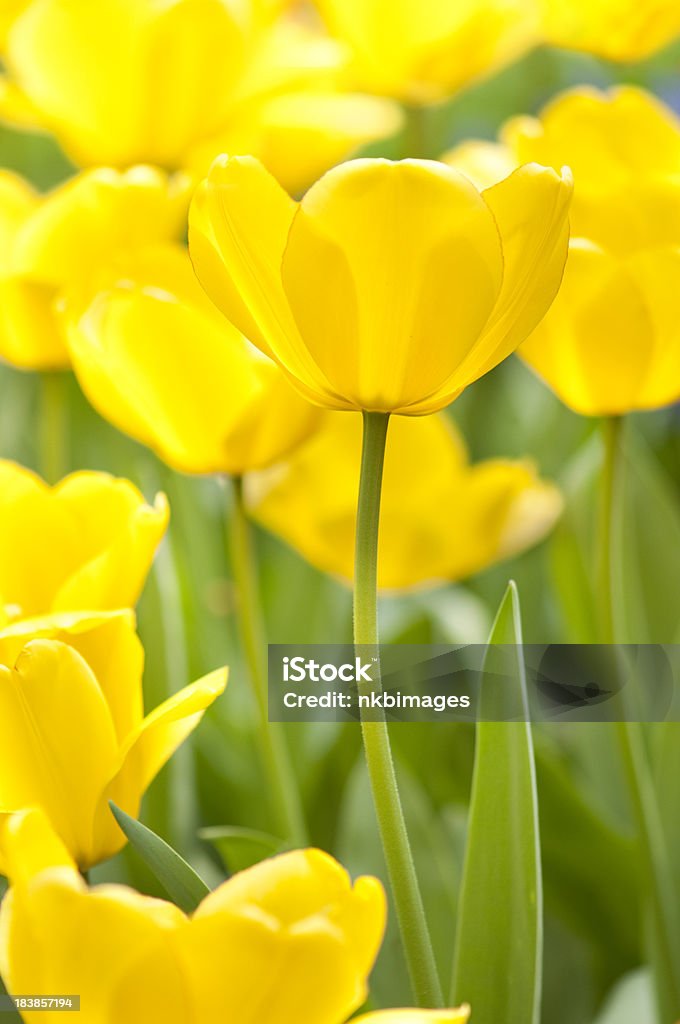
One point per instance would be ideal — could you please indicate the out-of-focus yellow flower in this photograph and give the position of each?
(50, 244)
(86, 543)
(391, 286)
(205, 400)
(289, 941)
(610, 344)
(424, 50)
(133, 81)
(621, 30)
(441, 518)
(72, 731)
(9, 12)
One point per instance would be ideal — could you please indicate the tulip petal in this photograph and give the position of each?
(238, 228)
(29, 845)
(117, 534)
(299, 914)
(531, 209)
(599, 320)
(391, 270)
(147, 750)
(56, 739)
(108, 643)
(222, 410)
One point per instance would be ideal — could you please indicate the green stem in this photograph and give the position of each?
(655, 859)
(283, 787)
(53, 436)
(395, 842)
(415, 132)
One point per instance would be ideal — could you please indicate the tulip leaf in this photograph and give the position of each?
(241, 848)
(184, 887)
(497, 963)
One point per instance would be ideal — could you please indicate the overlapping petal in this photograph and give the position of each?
(87, 543)
(622, 30)
(205, 400)
(441, 517)
(71, 730)
(389, 286)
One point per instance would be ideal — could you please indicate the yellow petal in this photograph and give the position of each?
(391, 270)
(300, 135)
(299, 914)
(57, 742)
(30, 337)
(484, 163)
(600, 320)
(205, 401)
(108, 643)
(17, 202)
(607, 138)
(86, 543)
(147, 749)
(104, 81)
(42, 947)
(622, 30)
(459, 1016)
(423, 51)
(29, 845)
(83, 223)
(531, 210)
(441, 518)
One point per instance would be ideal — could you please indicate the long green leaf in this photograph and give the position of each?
(241, 848)
(180, 881)
(497, 964)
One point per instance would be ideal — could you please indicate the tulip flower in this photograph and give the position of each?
(72, 731)
(131, 81)
(206, 401)
(442, 518)
(391, 286)
(619, 30)
(146, 960)
(61, 242)
(609, 344)
(423, 50)
(87, 543)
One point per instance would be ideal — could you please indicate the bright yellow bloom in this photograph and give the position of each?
(72, 731)
(441, 518)
(610, 344)
(134, 81)
(86, 543)
(9, 12)
(289, 941)
(390, 286)
(51, 244)
(421, 50)
(205, 400)
(625, 30)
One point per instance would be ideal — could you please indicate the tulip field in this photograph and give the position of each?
(342, 330)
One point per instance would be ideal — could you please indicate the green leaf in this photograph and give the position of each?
(180, 881)
(631, 1001)
(240, 848)
(497, 964)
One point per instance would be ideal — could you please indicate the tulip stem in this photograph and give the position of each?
(395, 842)
(654, 854)
(283, 786)
(53, 435)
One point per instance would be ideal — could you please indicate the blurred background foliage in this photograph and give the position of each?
(186, 618)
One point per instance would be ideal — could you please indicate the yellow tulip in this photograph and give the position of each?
(609, 345)
(441, 518)
(72, 731)
(205, 400)
(422, 50)
(133, 81)
(51, 244)
(11, 9)
(621, 30)
(86, 543)
(391, 286)
(289, 941)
